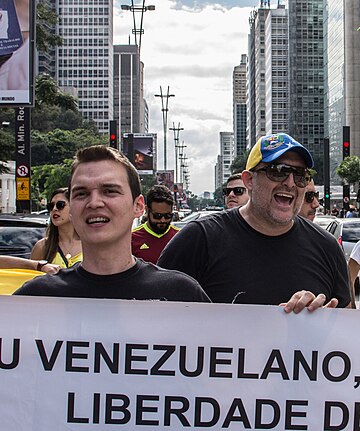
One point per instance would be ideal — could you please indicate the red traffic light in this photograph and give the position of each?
(112, 137)
(346, 144)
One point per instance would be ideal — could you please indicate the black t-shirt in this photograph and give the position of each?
(144, 281)
(235, 263)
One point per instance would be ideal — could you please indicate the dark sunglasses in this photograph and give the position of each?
(310, 196)
(59, 205)
(159, 216)
(238, 191)
(281, 172)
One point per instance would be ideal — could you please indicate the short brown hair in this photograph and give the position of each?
(98, 153)
(234, 177)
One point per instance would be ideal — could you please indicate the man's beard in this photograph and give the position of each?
(155, 228)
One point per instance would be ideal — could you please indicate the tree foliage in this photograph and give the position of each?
(45, 19)
(239, 163)
(349, 169)
(48, 92)
(46, 178)
(55, 146)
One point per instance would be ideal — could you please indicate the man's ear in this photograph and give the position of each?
(247, 177)
(139, 206)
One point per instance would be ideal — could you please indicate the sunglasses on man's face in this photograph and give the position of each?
(310, 196)
(159, 216)
(281, 172)
(238, 191)
(59, 205)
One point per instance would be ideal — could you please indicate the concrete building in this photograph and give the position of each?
(83, 65)
(276, 71)
(224, 159)
(8, 188)
(352, 72)
(342, 78)
(306, 66)
(239, 106)
(130, 108)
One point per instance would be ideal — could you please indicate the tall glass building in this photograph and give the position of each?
(334, 81)
(83, 65)
(306, 64)
(239, 106)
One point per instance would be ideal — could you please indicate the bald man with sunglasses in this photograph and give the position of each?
(262, 253)
(310, 203)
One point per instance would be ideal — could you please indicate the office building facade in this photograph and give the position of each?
(130, 108)
(239, 106)
(83, 65)
(306, 67)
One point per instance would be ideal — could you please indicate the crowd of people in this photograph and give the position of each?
(263, 249)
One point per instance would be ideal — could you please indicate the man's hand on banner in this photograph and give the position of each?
(306, 299)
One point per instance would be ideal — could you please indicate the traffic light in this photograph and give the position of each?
(327, 194)
(113, 134)
(346, 141)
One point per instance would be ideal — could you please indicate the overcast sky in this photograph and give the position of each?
(193, 47)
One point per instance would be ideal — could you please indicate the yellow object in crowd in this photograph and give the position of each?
(12, 279)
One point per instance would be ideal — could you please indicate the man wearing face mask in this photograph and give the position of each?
(149, 239)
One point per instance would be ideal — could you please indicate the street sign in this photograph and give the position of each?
(23, 189)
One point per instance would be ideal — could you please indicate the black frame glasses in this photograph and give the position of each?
(238, 191)
(310, 196)
(280, 172)
(59, 205)
(159, 216)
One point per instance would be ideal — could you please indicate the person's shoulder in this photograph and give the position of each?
(159, 273)
(47, 284)
(138, 228)
(308, 227)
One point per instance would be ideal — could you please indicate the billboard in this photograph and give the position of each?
(180, 195)
(17, 35)
(165, 178)
(140, 149)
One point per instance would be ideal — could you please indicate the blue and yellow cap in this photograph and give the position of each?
(271, 147)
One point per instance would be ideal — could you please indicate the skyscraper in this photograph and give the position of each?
(128, 90)
(306, 66)
(239, 106)
(83, 65)
(276, 70)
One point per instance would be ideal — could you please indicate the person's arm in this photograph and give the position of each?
(10, 262)
(37, 252)
(353, 268)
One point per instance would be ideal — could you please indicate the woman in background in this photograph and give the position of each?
(61, 246)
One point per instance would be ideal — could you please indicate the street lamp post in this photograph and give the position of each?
(176, 131)
(165, 109)
(137, 8)
(182, 158)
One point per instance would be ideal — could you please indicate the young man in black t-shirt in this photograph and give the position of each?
(104, 200)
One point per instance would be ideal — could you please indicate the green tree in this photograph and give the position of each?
(218, 196)
(239, 163)
(7, 148)
(48, 92)
(147, 181)
(46, 178)
(349, 169)
(55, 146)
(45, 19)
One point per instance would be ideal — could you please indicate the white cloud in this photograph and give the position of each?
(192, 50)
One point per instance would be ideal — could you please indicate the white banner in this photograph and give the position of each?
(90, 364)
